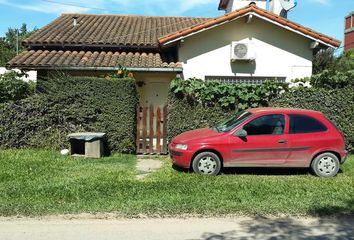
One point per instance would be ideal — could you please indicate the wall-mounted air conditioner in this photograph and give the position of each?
(243, 51)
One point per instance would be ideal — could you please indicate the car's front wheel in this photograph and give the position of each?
(325, 165)
(207, 163)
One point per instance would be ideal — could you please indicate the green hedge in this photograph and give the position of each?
(67, 104)
(337, 105)
(184, 114)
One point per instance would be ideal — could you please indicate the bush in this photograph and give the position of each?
(337, 105)
(195, 104)
(332, 79)
(184, 114)
(13, 88)
(65, 105)
(322, 60)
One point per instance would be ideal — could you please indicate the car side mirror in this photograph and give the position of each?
(242, 133)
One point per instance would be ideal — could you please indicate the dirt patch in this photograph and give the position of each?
(146, 166)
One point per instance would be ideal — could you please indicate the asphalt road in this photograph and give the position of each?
(181, 229)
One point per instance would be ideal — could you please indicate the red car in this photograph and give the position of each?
(263, 137)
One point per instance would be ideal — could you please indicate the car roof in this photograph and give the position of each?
(282, 110)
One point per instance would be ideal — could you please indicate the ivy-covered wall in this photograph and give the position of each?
(71, 104)
(194, 103)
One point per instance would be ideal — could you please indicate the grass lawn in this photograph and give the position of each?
(34, 182)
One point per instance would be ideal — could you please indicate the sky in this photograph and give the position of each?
(325, 16)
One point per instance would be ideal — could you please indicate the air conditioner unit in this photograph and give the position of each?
(243, 51)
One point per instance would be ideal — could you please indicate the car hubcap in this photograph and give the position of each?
(327, 165)
(207, 165)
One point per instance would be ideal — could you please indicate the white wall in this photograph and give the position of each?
(154, 89)
(280, 52)
(32, 75)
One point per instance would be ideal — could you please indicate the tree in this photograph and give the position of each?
(322, 60)
(6, 53)
(12, 40)
(345, 62)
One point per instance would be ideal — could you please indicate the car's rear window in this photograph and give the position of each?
(305, 124)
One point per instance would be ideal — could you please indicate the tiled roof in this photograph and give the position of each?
(104, 30)
(73, 59)
(242, 11)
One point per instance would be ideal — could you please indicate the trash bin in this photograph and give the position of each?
(89, 144)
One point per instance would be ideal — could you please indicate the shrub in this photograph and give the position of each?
(13, 88)
(195, 104)
(184, 114)
(228, 96)
(322, 60)
(337, 105)
(66, 104)
(334, 72)
(332, 79)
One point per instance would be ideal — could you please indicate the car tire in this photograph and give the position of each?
(325, 165)
(207, 163)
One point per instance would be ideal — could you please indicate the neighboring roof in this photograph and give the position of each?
(350, 14)
(243, 11)
(105, 30)
(223, 4)
(89, 60)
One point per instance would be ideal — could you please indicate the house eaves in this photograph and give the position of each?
(263, 14)
(93, 60)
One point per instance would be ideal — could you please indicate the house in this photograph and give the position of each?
(30, 75)
(248, 44)
(349, 32)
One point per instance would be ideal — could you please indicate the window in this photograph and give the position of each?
(266, 125)
(244, 80)
(305, 124)
(231, 123)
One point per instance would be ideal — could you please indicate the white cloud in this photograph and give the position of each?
(44, 7)
(158, 7)
(323, 2)
(149, 7)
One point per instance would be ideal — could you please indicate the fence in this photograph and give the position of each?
(152, 130)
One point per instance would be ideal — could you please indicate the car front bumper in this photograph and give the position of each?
(181, 158)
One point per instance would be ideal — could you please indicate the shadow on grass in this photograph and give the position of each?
(261, 171)
(345, 210)
(180, 169)
(287, 228)
(267, 171)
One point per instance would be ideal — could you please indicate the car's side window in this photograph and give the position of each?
(266, 125)
(305, 124)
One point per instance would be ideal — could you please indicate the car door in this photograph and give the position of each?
(306, 133)
(266, 143)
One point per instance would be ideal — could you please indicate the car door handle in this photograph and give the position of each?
(282, 141)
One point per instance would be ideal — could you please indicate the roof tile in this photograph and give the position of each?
(103, 30)
(39, 59)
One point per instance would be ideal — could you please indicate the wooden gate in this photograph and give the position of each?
(151, 130)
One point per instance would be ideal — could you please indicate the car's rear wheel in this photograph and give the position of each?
(325, 165)
(207, 163)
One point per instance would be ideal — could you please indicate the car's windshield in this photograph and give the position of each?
(230, 123)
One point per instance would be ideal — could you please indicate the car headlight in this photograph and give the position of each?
(182, 146)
